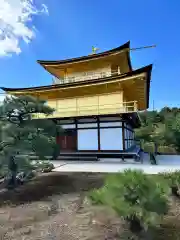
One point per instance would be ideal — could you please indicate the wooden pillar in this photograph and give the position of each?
(57, 147)
(123, 135)
(76, 132)
(123, 138)
(135, 106)
(99, 139)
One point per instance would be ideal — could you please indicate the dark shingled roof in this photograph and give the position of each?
(89, 57)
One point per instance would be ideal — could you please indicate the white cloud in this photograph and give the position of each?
(14, 16)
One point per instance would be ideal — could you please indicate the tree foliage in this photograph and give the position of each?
(160, 127)
(21, 134)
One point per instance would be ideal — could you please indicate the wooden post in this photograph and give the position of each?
(76, 132)
(99, 138)
(123, 138)
(135, 106)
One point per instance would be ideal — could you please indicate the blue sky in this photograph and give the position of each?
(72, 27)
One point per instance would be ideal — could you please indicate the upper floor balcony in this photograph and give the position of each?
(85, 76)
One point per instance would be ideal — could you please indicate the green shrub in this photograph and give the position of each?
(44, 166)
(134, 196)
(173, 179)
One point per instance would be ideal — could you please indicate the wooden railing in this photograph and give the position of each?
(86, 110)
(96, 109)
(85, 77)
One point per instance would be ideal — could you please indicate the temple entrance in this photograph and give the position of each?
(68, 141)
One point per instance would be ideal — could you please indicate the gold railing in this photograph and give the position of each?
(64, 111)
(85, 110)
(85, 77)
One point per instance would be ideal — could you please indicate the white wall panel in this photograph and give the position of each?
(87, 139)
(110, 124)
(111, 139)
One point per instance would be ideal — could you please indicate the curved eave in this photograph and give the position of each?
(146, 69)
(85, 58)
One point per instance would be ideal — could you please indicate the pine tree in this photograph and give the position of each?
(21, 134)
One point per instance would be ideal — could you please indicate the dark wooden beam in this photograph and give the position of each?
(123, 135)
(99, 137)
(76, 130)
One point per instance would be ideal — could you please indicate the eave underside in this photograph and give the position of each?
(59, 70)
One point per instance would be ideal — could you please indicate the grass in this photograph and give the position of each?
(54, 206)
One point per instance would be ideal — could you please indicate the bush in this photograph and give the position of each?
(173, 180)
(135, 197)
(44, 166)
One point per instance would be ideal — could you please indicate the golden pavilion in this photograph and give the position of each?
(96, 100)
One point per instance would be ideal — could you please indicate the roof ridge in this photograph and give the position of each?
(82, 58)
